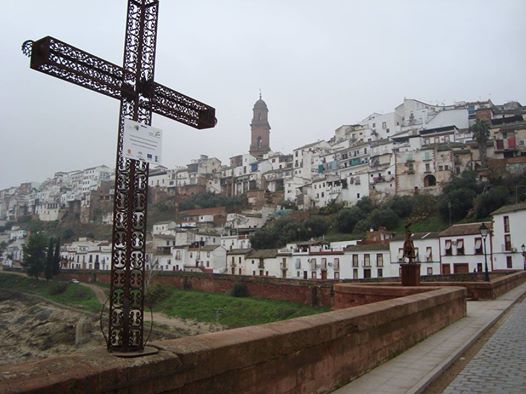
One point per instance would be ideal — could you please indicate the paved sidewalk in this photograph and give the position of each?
(500, 366)
(414, 369)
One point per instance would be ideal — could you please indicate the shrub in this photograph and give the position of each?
(58, 288)
(385, 217)
(347, 219)
(155, 294)
(457, 203)
(493, 199)
(239, 290)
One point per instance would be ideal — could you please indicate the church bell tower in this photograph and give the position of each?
(260, 141)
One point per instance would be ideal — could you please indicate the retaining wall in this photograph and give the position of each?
(315, 353)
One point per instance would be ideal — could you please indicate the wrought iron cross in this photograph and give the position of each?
(133, 84)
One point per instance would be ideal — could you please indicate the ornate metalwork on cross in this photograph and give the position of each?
(133, 84)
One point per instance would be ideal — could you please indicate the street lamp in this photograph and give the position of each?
(484, 231)
(523, 247)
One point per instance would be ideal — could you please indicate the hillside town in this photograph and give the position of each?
(416, 149)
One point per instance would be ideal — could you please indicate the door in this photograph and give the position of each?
(461, 268)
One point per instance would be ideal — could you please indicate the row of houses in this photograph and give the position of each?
(416, 148)
(460, 248)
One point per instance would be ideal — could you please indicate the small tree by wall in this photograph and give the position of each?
(35, 254)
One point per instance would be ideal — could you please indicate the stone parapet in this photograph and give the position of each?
(314, 353)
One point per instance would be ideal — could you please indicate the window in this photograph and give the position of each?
(298, 264)
(379, 260)
(506, 224)
(336, 275)
(448, 248)
(384, 125)
(460, 247)
(478, 245)
(367, 273)
(336, 264)
(355, 273)
(366, 260)
(323, 263)
(430, 270)
(380, 273)
(355, 260)
(509, 262)
(429, 254)
(507, 242)
(313, 274)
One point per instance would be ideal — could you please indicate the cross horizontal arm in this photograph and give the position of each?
(61, 60)
(184, 109)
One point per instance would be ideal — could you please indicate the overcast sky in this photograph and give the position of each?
(319, 64)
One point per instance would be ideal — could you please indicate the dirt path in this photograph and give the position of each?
(182, 326)
(187, 326)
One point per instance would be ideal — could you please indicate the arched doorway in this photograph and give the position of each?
(430, 180)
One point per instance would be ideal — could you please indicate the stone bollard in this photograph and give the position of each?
(82, 331)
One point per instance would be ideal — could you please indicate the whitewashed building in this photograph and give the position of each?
(462, 249)
(509, 237)
(209, 258)
(427, 251)
(368, 261)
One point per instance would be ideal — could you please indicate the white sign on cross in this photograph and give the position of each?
(142, 142)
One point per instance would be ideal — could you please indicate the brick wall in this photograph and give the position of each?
(312, 292)
(349, 295)
(315, 353)
(309, 292)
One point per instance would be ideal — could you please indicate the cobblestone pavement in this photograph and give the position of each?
(500, 366)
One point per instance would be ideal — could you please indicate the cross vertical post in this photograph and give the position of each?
(126, 321)
(133, 84)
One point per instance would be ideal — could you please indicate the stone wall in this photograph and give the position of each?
(309, 292)
(349, 295)
(312, 292)
(314, 353)
(481, 290)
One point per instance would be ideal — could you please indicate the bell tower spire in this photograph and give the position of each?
(260, 129)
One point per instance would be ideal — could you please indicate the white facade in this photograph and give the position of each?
(462, 249)
(509, 237)
(427, 252)
(210, 258)
(230, 242)
(368, 261)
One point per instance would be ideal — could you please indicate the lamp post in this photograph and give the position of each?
(484, 231)
(523, 247)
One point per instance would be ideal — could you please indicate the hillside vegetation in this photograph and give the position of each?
(463, 199)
